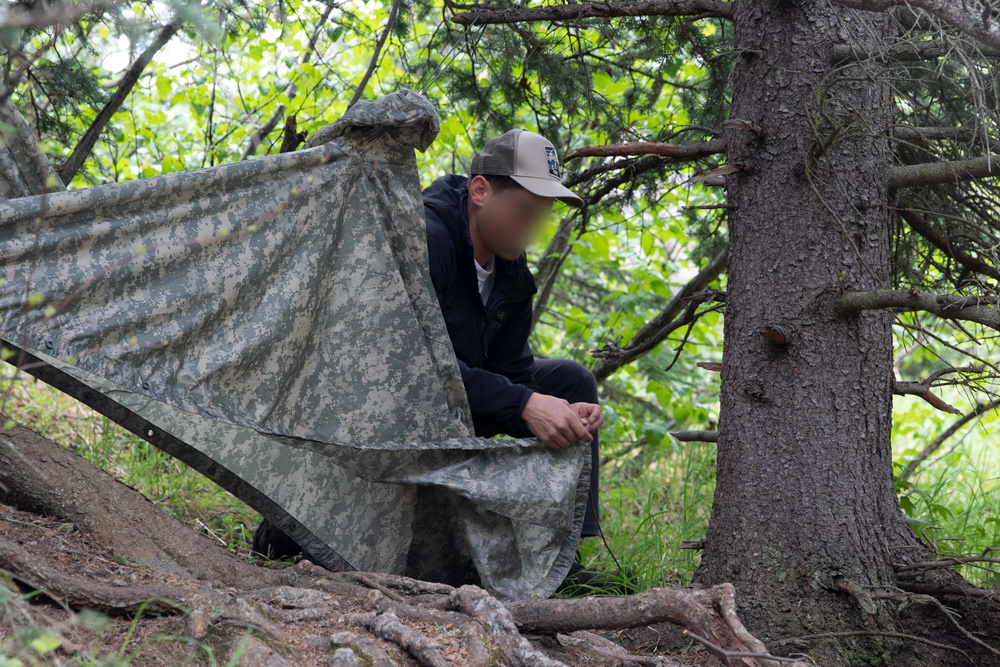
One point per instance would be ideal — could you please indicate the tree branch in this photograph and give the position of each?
(390, 22)
(262, 131)
(918, 223)
(696, 436)
(90, 137)
(664, 150)
(967, 134)
(982, 310)
(936, 443)
(961, 15)
(923, 391)
(936, 173)
(902, 52)
(657, 329)
(690, 8)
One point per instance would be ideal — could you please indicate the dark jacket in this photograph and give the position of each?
(491, 341)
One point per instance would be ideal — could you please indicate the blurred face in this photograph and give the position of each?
(506, 220)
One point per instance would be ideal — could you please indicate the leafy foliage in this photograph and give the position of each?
(612, 267)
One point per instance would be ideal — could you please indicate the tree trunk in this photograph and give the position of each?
(805, 505)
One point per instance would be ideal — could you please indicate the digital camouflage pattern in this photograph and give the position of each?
(277, 316)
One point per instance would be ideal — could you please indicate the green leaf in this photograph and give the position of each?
(46, 642)
(648, 243)
(163, 87)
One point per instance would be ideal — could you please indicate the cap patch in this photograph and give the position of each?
(553, 161)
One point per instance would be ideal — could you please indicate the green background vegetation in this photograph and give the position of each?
(233, 66)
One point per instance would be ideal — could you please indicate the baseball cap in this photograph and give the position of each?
(528, 158)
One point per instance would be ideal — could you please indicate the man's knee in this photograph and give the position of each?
(566, 379)
(587, 381)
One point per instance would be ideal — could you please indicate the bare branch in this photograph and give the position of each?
(942, 437)
(902, 52)
(696, 436)
(935, 173)
(674, 151)
(390, 22)
(982, 310)
(657, 329)
(923, 391)
(86, 145)
(924, 228)
(262, 131)
(961, 15)
(569, 12)
(910, 133)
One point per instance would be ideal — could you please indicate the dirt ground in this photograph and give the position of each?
(304, 635)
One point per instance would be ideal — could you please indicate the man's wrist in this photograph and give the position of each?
(524, 401)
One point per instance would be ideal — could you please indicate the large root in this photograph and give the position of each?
(371, 618)
(367, 618)
(40, 476)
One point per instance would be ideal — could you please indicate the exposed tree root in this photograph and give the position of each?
(368, 651)
(349, 618)
(708, 613)
(389, 627)
(36, 474)
(588, 642)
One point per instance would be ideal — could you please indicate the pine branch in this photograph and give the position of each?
(689, 8)
(664, 150)
(978, 24)
(903, 52)
(676, 314)
(90, 137)
(936, 173)
(982, 310)
(918, 223)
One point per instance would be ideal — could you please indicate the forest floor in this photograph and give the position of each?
(296, 628)
(274, 614)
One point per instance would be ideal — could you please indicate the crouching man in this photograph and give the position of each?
(477, 230)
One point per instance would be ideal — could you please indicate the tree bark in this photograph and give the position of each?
(805, 499)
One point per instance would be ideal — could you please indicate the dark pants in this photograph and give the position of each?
(572, 382)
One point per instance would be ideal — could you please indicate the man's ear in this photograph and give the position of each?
(479, 190)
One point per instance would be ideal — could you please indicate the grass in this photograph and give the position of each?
(650, 503)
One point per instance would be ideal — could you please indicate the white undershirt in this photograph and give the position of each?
(485, 276)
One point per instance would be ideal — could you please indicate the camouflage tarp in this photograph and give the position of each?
(272, 323)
